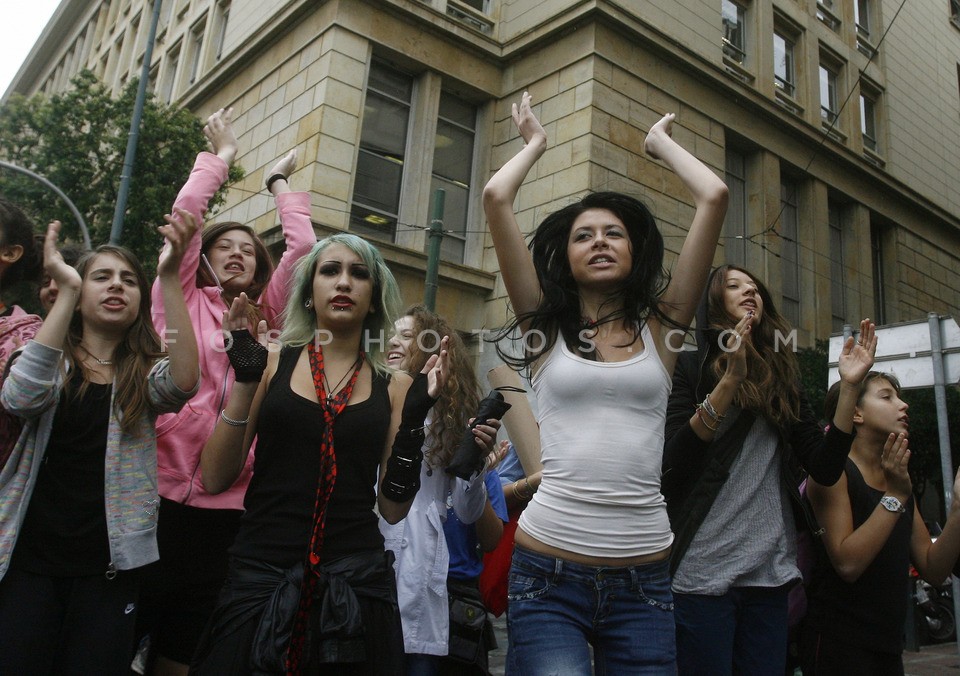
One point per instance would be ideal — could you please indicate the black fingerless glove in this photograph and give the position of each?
(402, 478)
(417, 403)
(247, 357)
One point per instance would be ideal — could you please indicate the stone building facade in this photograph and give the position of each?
(835, 122)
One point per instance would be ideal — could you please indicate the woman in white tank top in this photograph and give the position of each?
(602, 323)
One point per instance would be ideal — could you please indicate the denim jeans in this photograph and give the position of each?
(558, 609)
(741, 632)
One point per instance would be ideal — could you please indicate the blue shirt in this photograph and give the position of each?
(510, 468)
(466, 561)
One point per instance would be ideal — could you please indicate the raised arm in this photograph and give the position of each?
(298, 235)
(179, 337)
(679, 301)
(53, 331)
(208, 174)
(516, 264)
(934, 561)
(225, 453)
(403, 454)
(851, 550)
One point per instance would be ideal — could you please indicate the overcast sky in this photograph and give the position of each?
(21, 26)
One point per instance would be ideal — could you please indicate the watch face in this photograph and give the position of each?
(892, 504)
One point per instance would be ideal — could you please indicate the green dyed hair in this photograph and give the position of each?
(300, 323)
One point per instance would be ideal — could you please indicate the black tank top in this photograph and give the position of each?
(278, 517)
(870, 612)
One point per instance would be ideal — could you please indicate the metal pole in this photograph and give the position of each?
(943, 428)
(127, 173)
(70, 205)
(433, 257)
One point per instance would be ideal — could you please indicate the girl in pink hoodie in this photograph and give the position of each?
(19, 260)
(195, 527)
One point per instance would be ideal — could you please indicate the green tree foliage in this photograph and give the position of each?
(77, 139)
(924, 431)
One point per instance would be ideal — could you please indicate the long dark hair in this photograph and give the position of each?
(16, 229)
(559, 310)
(460, 396)
(135, 354)
(260, 277)
(772, 385)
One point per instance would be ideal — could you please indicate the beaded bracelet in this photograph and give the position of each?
(230, 421)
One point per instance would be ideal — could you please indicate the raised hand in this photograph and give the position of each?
(857, 357)
(247, 355)
(219, 132)
(894, 462)
(179, 231)
(736, 348)
(286, 165)
(65, 276)
(437, 369)
(527, 123)
(659, 134)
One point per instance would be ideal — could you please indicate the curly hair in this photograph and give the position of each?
(134, 356)
(772, 385)
(460, 396)
(300, 324)
(558, 313)
(16, 229)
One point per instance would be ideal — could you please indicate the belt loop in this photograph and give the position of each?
(557, 568)
(634, 579)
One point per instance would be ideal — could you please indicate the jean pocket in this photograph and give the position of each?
(521, 586)
(656, 592)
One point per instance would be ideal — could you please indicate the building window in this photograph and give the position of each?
(829, 105)
(827, 13)
(868, 121)
(169, 74)
(222, 17)
(152, 79)
(734, 42)
(864, 22)
(838, 299)
(383, 142)
(196, 49)
(784, 68)
(789, 252)
(735, 223)
(452, 166)
(879, 282)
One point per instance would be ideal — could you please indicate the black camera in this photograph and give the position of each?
(468, 460)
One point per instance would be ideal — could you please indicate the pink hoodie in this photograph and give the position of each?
(15, 330)
(181, 436)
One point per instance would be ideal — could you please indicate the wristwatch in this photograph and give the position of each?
(891, 504)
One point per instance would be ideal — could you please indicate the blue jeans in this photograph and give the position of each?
(741, 632)
(557, 609)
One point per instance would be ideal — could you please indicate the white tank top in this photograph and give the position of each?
(601, 436)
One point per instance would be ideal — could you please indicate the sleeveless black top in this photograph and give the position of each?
(278, 517)
(870, 612)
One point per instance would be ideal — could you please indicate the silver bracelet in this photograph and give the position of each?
(711, 411)
(231, 421)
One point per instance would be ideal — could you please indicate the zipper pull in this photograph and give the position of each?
(111, 571)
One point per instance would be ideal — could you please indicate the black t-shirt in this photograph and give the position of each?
(279, 504)
(65, 530)
(869, 613)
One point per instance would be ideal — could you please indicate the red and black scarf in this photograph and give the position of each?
(332, 407)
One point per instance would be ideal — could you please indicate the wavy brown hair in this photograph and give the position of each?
(261, 276)
(772, 385)
(460, 396)
(135, 354)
